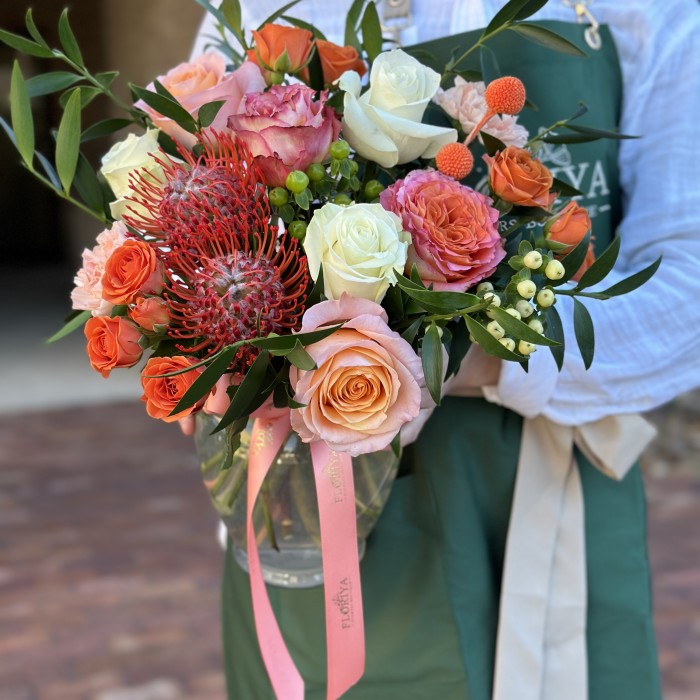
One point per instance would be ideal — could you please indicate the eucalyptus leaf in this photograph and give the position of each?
(555, 331)
(48, 83)
(517, 328)
(73, 323)
(431, 357)
(547, 38)
(68, 40)
(629, 284)
(103, 128)
(585, 336)
(601, 267)
(21, 114)
(372, 39)
(24, 45)
(68, 141)
(167, 107)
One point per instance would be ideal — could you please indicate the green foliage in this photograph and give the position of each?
(431, 358)
(547, 38)
(585, 336)
(68, 141)
(21, 114)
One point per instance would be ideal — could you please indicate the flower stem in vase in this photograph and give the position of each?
(267, 514)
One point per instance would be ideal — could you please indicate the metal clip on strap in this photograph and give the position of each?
(591, 33)
(396, 16)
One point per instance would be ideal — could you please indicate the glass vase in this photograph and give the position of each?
(285, 517)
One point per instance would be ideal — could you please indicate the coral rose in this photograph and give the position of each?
(367, 384)
(150, 312)
(87, 294)
(161, 394)
(516, 177)
(132, 268)
(199, 82)
(570, 227)
(112, 343)
(286, 129)
(281, 49)
(454, 229)
(335, 60)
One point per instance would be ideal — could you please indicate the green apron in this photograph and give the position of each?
(432, 570)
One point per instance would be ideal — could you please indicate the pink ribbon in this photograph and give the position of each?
(341, 569)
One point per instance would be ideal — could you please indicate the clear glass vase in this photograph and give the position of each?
(286, 514)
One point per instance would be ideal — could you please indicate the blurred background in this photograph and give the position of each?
(109, 568)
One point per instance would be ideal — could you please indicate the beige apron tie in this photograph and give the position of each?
(541, 647)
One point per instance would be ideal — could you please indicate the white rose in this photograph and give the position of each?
(384, 124)
(134, 153)
(361, 248)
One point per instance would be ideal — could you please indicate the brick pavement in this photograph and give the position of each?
(109, 572)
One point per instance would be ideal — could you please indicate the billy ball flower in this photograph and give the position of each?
(454, 160)
(505, 95)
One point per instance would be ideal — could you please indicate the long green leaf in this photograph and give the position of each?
(207, 112)
(520, 330)
(585, 335)
(504, 16)
(629, 284)
(431, 358)
(278, 13)
(51, 82)
(104, 128)
(318, 34)
(231, 10)
(601, 267)
(555, 331)
(71, 325)
(459, 346)
(49, 170)
(68, 141)
(438, 302)
(568, 138)
(564, 188)
(371, 32)
(33, 31)
(21, 113)
(287, 342)
(488, 342)
(23, 45)
(88, 186)
(352, 22)
(599, 133)
(547, 38)
(573, 261)
(167, 107)
(68, 40)
(300, 358)
(530, 8)
(107, 78)
(490, 70)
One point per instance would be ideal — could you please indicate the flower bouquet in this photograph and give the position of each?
(293, 245)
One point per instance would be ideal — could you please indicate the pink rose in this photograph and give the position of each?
(205, 80)
(87, 294)
(367, 384)
(466, 103)
(454, 229)
(286, 129)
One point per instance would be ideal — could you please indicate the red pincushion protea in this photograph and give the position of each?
(231, 275)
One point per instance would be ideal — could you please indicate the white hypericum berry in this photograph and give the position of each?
(536, 325)
(526, 289)
(494, 299)
(526, 348)
(495, 329)
(508, 343)
(483, 287)
(554, 270)
(513, 312)
(533, 260)
(545, 298)
(525, 308)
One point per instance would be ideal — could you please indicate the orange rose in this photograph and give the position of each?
(150, 312)
(112, 342)
(281, 49)
(335, 60)
(132, 268)
(161, 394)
(570, 227)
(516, 177)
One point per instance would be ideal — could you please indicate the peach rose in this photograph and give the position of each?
(455, 240)
(199, 82)
(367, 384)
(161, 394)
(150, 312)
(281, 49)
(335, 60)
(87, 294)
(516, 177)
(132, 268)
(570, 227)
(112, 343)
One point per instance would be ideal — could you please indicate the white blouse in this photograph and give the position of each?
(648, 342)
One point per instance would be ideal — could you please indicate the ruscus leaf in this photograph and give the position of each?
(585, 336)
(555, 331)
(21, 114)
(601, 267)
(68, 141)
(68, 40)
(431, 357)
(547, 38)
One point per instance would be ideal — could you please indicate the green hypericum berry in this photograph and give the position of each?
(353, 167)
(278, 196)
(545, 298)
(297, 181)
(484, 287)
(507, 343)
(495, 329)
(533, 260)
(297, 229)
(526, 348)
(524, 308)
(342, 199)
(316, 172)
(536, 325)
(554, 270)
(373, 189)
(339, 150)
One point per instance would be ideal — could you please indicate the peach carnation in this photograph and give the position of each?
(368, 382)
(454, 229)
